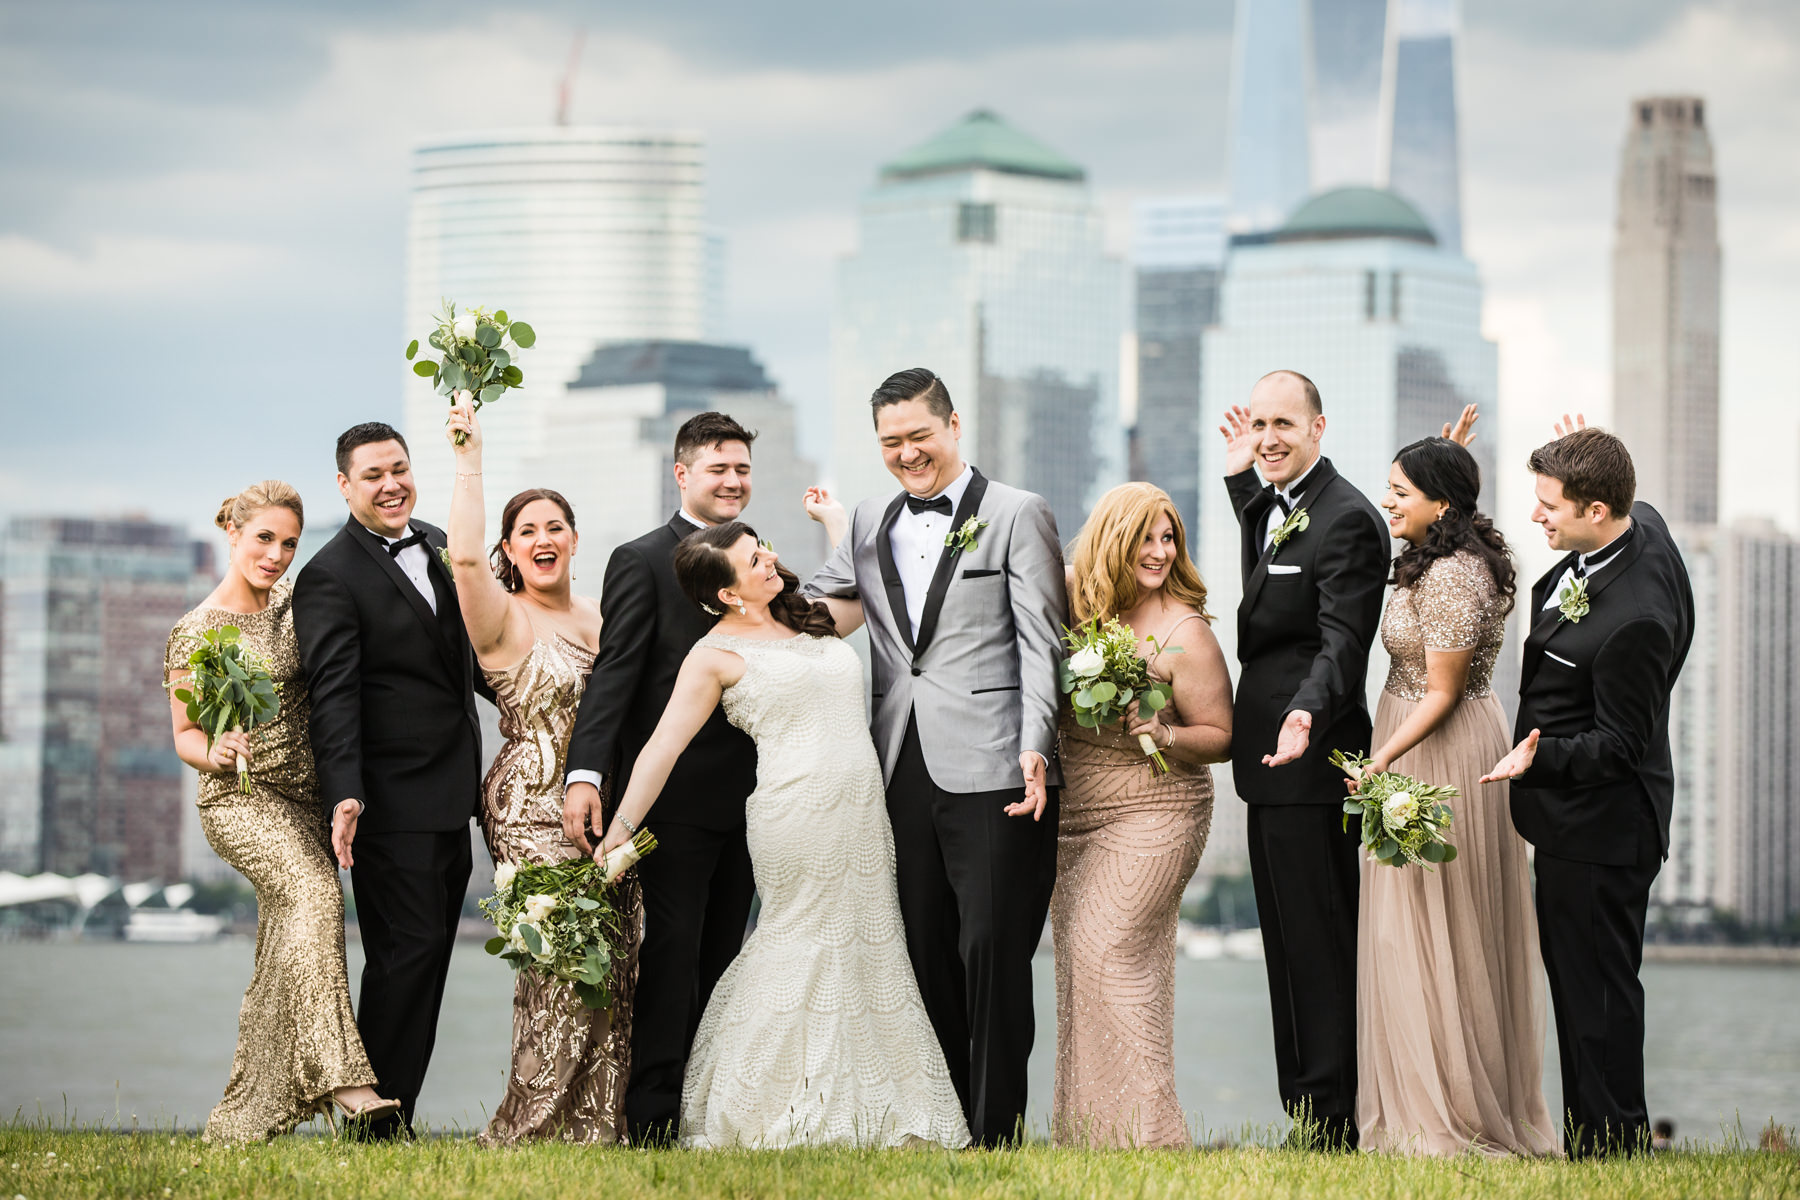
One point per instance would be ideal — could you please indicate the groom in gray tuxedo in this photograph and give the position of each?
(960, 580)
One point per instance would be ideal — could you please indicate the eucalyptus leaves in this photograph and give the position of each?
(1403, 820)
(1572, 601)
(229, 690)
(1104, 673)
(479, 348)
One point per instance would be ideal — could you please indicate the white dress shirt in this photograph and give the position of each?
(594, 777)
(1594, 560)
(917, 540)
(1276, 516)
(415, 563)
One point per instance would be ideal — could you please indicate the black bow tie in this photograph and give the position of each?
(916, 506)
(414, 539)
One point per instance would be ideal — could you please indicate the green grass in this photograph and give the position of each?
(40, 1163)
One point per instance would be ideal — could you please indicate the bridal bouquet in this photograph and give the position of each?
(229, 691)
(478, 348)
(1104, 673)
(1403, 820)
(559, 919)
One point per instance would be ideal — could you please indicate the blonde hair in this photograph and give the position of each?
(1105, 561)
(270, 493)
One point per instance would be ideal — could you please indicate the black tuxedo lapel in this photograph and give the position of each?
(390, 566)
(1316, 483)
(946, 568)
(890, 574)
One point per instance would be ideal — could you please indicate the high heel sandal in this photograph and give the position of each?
(375, 1108)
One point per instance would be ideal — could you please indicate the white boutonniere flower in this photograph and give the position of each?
(964, 539)
(444, 557)
(1572, 601)
(1296, 522)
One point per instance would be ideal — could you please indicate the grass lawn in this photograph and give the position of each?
(37, 1163)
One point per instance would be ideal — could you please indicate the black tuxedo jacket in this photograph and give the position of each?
(1597, 690)
(392, 685)
(649, 626)
(1304, 635)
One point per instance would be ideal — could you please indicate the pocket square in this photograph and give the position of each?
(1559, 658)
(1280, 569)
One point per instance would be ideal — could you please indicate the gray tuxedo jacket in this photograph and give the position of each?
(981, 675)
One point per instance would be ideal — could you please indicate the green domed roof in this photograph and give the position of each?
(1356, 212)
(982, 140)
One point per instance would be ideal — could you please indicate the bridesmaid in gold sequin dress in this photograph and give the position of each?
(536, 642)
(298, 1049)
(1129, 837)
(1450, 983)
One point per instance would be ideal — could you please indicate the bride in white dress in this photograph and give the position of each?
(815, 1033)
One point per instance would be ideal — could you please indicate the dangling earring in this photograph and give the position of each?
(743, 611)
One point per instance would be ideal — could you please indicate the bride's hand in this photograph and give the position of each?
(615, 837)
(462, 420)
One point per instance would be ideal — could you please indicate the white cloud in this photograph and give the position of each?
(129, 266)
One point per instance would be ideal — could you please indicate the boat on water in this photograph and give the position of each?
(172, 925)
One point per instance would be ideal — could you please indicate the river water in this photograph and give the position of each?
(98, 1029)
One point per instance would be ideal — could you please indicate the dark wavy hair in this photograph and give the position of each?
(505, 570)
(1443, 470)
(703, 566)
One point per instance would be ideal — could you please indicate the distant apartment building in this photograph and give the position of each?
(89, 780)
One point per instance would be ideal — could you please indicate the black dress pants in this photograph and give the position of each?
(409, 889)
(698, 887)
(974, 891)
(1591, 930)
(1305, 866)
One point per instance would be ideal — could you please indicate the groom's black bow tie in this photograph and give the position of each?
(414, 539)
(916, 506)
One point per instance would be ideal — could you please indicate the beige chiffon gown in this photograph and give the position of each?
(1128, 841)
(1450, 1007)
(569, 1063)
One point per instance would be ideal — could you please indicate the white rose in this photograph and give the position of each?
(1087, 663)
(464, 326)
(515, 941)
(503, 877)
(545, 952)
(537, 908)
(1399, 809)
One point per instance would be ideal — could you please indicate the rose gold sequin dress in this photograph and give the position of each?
(569, 1063)
(1128, 842)
(297, 1038)
(1449, 980)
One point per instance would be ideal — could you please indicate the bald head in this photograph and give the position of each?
(1292, 382)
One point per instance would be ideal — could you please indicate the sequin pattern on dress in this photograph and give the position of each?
(1454, 605)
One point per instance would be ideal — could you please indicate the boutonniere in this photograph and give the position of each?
(964, 539)
(1572, 601)
(1296, 522)
(444, 557)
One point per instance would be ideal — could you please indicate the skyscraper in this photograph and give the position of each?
(1178, 249)
(982, 255)
(1348, 51)
(1270, 94)
(1666, 307)
(1424, 155)
(89, 780)
(592, 234)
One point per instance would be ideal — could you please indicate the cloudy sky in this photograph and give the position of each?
(204, 200)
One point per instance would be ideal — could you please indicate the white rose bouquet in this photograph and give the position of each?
(1104, 673)
(560, 920)
(479, 348)
(1403, 820)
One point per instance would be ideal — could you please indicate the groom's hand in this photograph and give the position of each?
(581, 810)
(1031, 765)
(343, 830)
(1296, 732)
(1516, 763)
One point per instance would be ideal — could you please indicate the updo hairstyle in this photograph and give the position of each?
(270, 493)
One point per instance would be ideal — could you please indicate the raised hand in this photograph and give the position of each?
(1569, 425)
(1516, 763)
(462, 421)
(1240, 440)
(1463, 431)
(828, 511)
(1291, 743)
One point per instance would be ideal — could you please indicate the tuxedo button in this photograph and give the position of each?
(918, 670)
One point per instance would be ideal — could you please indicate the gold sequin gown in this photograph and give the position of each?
(569, 1063)
(297, 1038)
(1449, 980)
(1128, 842)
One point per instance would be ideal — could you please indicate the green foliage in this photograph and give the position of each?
(1403, 819)
(1104, 674)
(558, 919)
(474, 360)
(229, 689)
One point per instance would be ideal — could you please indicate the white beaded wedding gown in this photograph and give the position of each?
(815, 1033)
